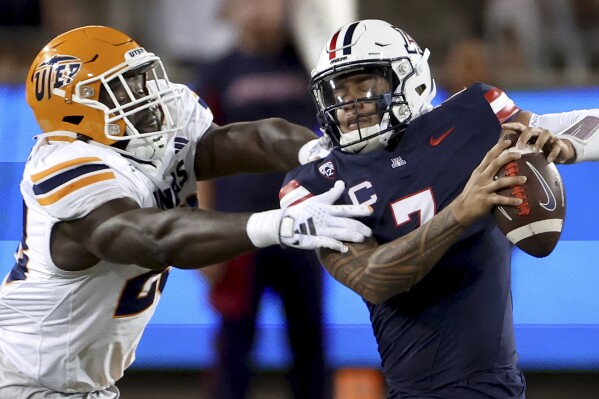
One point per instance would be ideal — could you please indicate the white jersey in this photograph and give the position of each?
(78, 331)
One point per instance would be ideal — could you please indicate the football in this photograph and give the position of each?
(535, 225)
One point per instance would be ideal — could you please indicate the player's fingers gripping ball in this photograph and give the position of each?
(536, 224)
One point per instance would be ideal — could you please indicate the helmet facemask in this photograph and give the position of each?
(358, 109)
(138, 118)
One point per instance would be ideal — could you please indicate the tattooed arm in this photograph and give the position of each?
(379, 272)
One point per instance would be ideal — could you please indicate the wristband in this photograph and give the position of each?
(262, 228)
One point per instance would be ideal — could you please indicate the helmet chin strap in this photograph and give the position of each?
(372, 142)
(371, 139)
(147, 148)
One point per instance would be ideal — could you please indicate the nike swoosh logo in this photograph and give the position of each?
(551, 203)
(436, 141)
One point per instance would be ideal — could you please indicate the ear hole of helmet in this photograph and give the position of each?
(73, 119)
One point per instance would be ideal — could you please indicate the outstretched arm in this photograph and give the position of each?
(267, 145)
(379, 272)
(121, 232)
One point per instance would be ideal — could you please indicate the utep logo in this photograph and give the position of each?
(327, 169)
(55, 73)
(134, 53)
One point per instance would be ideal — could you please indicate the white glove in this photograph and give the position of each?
(314, 150)
(311, 224)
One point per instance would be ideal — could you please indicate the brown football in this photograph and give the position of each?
(535, 225)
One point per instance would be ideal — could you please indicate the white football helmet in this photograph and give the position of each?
(377, 50)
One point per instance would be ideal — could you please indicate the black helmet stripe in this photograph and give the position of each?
(347, 40)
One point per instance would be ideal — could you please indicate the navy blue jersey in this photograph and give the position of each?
(457, 321)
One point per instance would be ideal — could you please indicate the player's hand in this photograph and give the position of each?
(317, 223)
(314, 150)
(480, 193)
(560, 151)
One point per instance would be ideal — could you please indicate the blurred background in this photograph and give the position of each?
(544, 53)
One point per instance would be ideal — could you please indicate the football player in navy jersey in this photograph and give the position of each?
(435, 276)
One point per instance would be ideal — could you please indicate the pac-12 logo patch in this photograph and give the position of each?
(54, 73)
(327, 169)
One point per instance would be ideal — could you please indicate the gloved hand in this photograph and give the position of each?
(311, 224)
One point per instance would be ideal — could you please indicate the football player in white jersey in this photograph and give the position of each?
(121, 150)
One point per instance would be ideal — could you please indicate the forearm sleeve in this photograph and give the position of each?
(579, 127)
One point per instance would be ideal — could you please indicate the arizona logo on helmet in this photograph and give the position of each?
(55, 73)
(411, 46)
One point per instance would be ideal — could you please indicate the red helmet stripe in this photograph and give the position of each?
(333, 45)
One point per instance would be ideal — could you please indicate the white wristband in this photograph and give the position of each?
(263, 228)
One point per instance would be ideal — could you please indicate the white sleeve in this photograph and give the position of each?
(579, 127)
(70, 188)
(197, 117)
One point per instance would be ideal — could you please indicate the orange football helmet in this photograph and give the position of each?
(65, 80)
